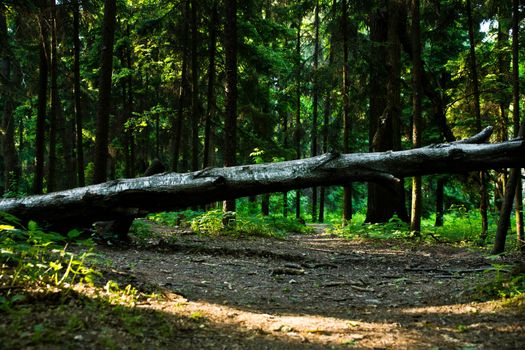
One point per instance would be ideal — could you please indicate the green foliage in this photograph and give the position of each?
(503, 283)
(179, 218)
(461, 226)
(243, 223)
(33, 257)
(394, 228)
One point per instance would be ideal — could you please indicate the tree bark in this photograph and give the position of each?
(347, 122)
(230, 123)
(415, 217)
(512, 188)
(195, 117)
(129, 198)
(315, 103)
(9, 152)
(211, 108)
(518, 131)
(53, 115)
(104, 102)
(483, 207)
(178, 122)
(384, 201)
(78, 93)
(298, 111)
(327, 112)
(42, 104)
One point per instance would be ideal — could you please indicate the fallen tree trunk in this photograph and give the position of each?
(123, 200)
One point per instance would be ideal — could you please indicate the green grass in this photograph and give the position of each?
(460, 227)
(241, 224)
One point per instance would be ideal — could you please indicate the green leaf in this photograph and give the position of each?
(32, 226)
(73, 234)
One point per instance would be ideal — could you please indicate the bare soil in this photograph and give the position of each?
(314, 291)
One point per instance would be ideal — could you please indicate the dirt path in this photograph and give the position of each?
(319, 291)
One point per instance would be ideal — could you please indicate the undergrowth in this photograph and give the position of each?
(31, 257)
(51, 292)
(215, 222)
(460, 226)
(507, 283)
(34, 261)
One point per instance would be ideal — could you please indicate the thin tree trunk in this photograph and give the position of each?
(298, 112)
(315, 102)
(265, 204)
(475, 83)
(78, 94)
(211, 109)
(415, 218)
(195, 117)
(515, 174)
(104, 103)
(518, 201)
(42, 104)
(52, 165)
(439, 202)
(129, 135)
(347, 123)
(285, 144)
(178, 122)
(327, 111)
(11, 166)
(230, 123)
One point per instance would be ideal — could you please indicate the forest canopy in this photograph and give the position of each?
(96, 90)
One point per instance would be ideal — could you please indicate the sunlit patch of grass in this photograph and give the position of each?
(358, 229)
(212, 222)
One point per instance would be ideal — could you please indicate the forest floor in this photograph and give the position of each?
(305, 291)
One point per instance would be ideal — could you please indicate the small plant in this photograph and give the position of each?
(505, 284)
(177, 218)
(32, 256)
(210, 223)
(121, 296)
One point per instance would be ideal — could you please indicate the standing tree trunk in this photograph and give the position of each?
(104, 95)
(512, 183)
(415, 218)
(315, 102)
(230, 122)
(11, 167)
(327, 111)
(504, 101)
(129, 133)
(42, 103)
(518, 201)
(195, 117)
(78, 93)
(347, 123)
(387, 200)
(483, 207)
(211, 108)
(285, 145)
(52, 165)
(178, 122)
(298, 111)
